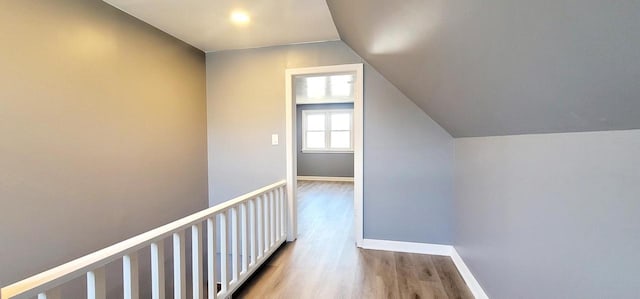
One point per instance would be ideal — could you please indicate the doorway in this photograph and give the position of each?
(335, 128)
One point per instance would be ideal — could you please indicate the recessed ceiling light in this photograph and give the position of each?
(240, 17)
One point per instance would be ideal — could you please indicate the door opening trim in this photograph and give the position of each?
(358, 143)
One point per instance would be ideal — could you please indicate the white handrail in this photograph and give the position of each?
(48, 280)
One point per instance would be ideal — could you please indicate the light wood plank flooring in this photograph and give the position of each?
(325, 263)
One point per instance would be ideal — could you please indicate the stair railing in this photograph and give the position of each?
(244, 231)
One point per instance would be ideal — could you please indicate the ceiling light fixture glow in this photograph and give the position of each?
(240, 17)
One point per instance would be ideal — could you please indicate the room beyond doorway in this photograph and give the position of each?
(331, 131)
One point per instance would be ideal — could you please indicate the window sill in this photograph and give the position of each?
(327, 151)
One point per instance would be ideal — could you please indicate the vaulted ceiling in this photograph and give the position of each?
(501, 67)
(478, 68)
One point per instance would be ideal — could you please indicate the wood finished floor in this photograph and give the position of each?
(325, 263)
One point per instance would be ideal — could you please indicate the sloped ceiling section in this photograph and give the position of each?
(502, 67)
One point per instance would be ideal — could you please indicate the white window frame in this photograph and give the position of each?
(327, 130)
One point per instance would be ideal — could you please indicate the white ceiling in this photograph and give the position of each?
(206, 25)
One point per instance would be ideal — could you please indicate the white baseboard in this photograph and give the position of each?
(325, 178)
(423, 248)
(466, 274)
(432, 249)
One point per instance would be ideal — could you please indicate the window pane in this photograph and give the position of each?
(316, 87)
(340, 121)
(341, 85)
(315, 140)
(341, 140)
(315, 122)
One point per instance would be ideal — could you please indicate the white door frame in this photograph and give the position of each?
(358, 125)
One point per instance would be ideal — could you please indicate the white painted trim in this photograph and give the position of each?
(325, 178)
(291, 157)
(326, 152)
(358, 143)
(303, 101)
(411, 247)
(328, 129)
(468, 277)
(432, 249)
(358, 156)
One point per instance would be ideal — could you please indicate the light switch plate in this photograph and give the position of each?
(274, 139)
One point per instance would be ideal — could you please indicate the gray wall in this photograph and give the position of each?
(407, 200)
(322, 164)
(103, 128)
(550, 216)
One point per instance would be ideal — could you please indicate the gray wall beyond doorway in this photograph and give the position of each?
(322, 164)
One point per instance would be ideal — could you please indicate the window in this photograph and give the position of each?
(327, 130)
(331, 88)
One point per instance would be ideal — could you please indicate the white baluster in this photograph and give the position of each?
(285, 214)
(224, 270)
(260, 222)
(244, 239)
(252, 230)
(157, 270)
(212, 288)
(196, 260)
(267, 223)
(96, 284)
(179, 277)
(235, 241)
(130, 276)
(278, 215)
(50, 294)
(281, 213)
(272, 220)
